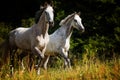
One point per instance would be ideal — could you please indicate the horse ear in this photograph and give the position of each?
(41, 7)
(78, 13)
(51, 3)
(45, 4)
(75, 12)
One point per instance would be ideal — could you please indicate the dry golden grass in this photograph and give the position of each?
(84, 70)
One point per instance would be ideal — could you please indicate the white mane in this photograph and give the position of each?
(64, 20)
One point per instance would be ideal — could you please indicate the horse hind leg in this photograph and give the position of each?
(31, 61)
(40, 56)
(12, 54)
(20, 59)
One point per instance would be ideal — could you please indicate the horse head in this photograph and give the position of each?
(48, 9)
(77, 22)
(49, 13)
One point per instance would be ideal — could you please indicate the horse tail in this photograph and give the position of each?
(4, 52)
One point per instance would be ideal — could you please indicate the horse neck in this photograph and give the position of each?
(42, 25)
(68, 28)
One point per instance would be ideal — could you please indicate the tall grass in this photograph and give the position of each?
(85, 69)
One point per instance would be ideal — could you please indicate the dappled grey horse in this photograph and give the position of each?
(60, 40)
(34, 38)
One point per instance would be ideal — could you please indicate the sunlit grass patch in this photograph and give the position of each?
(84, 70)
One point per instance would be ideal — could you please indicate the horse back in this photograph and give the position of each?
(20, 37)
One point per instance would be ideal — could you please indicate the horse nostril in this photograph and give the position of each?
(51, 24)
(82, 29)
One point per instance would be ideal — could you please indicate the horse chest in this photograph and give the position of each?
(41, 42)
(67, 44)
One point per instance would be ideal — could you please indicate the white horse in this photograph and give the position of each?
(60, 40)
(32, 39)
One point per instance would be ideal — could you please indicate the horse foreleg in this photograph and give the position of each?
(44, 62)
(64, 54)
(38, 65)
(36, 49)
(40, 56)
(67, 63)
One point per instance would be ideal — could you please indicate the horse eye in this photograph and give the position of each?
(75, 20)
(45, 12)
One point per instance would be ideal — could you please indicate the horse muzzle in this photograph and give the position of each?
(51, 24)
(82, 30)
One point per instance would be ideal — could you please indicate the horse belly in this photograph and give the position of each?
(23, 44)
(52, 48)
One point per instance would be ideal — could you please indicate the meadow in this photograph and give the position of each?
(84, 69)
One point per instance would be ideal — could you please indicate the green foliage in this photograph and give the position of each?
(27, 22)
(117, 33)
(110, 1)
(60, 15)
(4, 30)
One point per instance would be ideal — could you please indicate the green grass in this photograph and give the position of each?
(83, 70)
